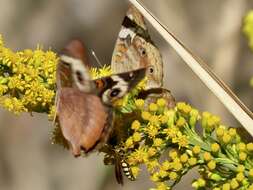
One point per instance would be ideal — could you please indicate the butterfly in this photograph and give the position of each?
(84, 106)
(134, 49)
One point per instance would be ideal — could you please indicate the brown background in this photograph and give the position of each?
(211, 29)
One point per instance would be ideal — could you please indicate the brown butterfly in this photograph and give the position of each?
(135, 49)
(84, 106)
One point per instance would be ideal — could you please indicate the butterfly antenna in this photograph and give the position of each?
(96, 58)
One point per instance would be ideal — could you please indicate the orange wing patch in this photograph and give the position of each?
(100, 84)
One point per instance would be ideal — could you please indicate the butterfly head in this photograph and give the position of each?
(116, 86)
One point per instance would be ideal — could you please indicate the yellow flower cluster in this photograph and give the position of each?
(248, 27)
(248, 31)
(149, 132)
(217, 152)
(100, 72)
(27, 80)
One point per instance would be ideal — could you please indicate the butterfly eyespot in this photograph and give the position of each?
(142, 51)
(79, 76)
(151, 70)
(114, 92)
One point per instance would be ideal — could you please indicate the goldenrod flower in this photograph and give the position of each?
(177, 166)
(240, 168)
(180, 122)
(136, 125)
(247, 28)
(153, 107)
(166, 165)
(240, 177)
(194, 113)
(152, 131)
(148, 130)
(151, 152)
(28, 78)
(220, 131)
(199, 183)
(173, 175)
(129, 143)
(183, 107)
(194, 117)
(173, 154)
(164, 119)
(136, 137)
(241, 146)
(171, 132)
(157, 142)
(171, 116)
(206, 114)
(250, 146)
(182, 141)
(101, 72)
(152, 165)
(139, 156)
(145, 115)
(242, 156)
(155, 177)
(215, 147)
(211, 165)
(192, 161)
(250, 187)
(226, 138)
(196, 149)
(232, 132)
(207, 156)
(184, 158)
(251, 172)
(226, 186)
(163, 173)
(139, 103)
(161, 102)
(234, 184)
(135, 171)
(154, 119)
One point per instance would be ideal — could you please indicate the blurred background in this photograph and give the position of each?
(211, 29)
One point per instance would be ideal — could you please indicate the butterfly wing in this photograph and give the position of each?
(153, 94)
(116, 86)
(82, 118)
(134, 49)
(72, 71)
